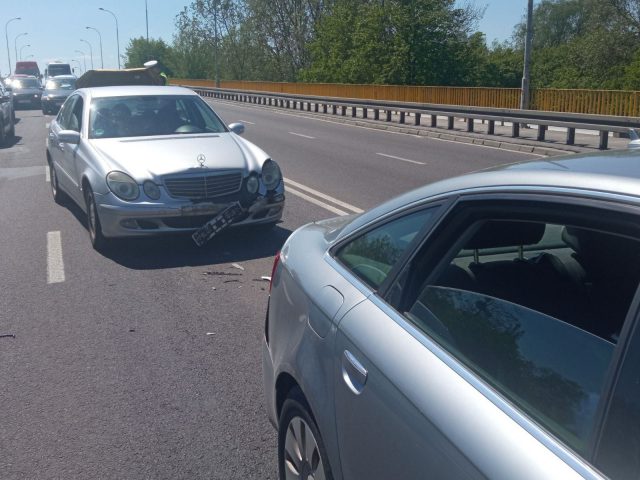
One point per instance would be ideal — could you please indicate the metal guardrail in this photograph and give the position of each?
(383, 110)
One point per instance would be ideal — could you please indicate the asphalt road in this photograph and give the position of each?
(145, 363)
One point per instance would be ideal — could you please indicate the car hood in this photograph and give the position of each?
(153, 157)
(21, 91)
(58, 92)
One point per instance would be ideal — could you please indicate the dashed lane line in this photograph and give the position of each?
(400, 158)
(47, 174)
(247, 121)
(324, 196)
(315, 201)
(301, 135)
(55, 264)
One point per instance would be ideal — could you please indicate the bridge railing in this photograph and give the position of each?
(430, 114)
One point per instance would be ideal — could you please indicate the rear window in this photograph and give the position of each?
(61, 69)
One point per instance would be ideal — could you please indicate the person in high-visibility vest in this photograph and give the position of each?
(154, 66)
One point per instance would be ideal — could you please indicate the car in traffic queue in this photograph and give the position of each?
(145, 160)
(56, 90)
(7, 116)
(485, 326)
(27, 91)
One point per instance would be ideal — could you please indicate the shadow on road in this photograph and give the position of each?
(233, 245)
(179, 250)
(11, 142)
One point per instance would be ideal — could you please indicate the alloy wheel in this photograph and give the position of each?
(302, 459)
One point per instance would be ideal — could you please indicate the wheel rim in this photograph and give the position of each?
(302, 459)
(54, 180)
(91, 214)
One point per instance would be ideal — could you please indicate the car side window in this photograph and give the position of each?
(535, 308)
(619, 450)
(65, 112)
(75, 117)
(371, 256)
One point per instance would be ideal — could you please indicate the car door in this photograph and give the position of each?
(489, 355)
(57, 148)
(73, 153)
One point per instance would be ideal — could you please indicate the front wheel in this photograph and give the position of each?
(301, 452)
(58, 195)
(98, 240)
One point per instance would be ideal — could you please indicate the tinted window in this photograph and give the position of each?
(75, 119)
(619, 452)
(535, 309)
(65, 112)
(151, 115)
(60, 69)
(61, 84)
(372, 255)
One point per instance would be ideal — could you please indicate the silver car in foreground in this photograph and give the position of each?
(148, 160)
(484, 326)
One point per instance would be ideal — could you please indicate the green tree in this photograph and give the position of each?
(141, 50)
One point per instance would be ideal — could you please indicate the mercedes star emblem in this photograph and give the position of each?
(201, 159)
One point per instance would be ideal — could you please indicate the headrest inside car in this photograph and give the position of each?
(506, 233)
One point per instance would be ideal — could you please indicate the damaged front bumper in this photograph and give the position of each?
(122, 219)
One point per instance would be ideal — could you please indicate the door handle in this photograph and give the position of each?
(353, 373)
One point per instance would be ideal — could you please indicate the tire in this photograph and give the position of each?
(294, 461)
(58, 195)
(12, 130)
(3, 136)
(98, 240)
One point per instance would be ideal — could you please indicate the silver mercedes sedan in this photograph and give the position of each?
(486, 326)
(148, 160)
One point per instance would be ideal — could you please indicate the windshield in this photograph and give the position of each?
(61, 84)
(26, 83)
(146, 115)
(61, 69)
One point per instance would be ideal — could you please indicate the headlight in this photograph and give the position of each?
(123, 186)
(271, 174)
(252, 184)
(151, 189)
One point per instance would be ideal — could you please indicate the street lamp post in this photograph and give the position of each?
(6, 37)
(525, 95)
(100, 37)
(117, 34)
(15, 42)
(21, 48)
(146, 17)
(90, 51)
(84, 58)
(78, 62)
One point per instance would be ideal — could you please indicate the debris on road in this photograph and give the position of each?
(238, 266)
(222, 274)
(265, 278)
(210, 333)
(7, 335)
(231, 281)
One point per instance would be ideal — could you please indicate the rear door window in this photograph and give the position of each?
(535, 308)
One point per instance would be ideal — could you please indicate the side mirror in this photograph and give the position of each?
(69, 136)
(237, 128)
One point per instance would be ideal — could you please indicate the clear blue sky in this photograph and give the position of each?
(54, 28)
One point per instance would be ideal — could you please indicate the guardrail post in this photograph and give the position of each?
(491, 129)
(344, 110)
(317, 107)
(470, 124)
(364, 112)
(450, 123)
(571, 136)
(354, 111)
(515, 129)
(417, 119)
(542, 129)
(388, 115)
(604, 140)
(308, 106)
(434, 121)
(288, 103)
(334, 109)
(376, 114)
(402, 114)
(324, 108)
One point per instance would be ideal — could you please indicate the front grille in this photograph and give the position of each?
(199, 187)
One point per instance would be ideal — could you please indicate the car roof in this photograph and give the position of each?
(135, 90)
(613, 173)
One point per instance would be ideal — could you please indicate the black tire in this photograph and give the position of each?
(58, 195)
(295, 420)
(12, 130)
(3, 136)
(98, 240)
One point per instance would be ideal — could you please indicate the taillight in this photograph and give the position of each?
(276, 260)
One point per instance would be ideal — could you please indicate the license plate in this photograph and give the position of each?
(217, 224)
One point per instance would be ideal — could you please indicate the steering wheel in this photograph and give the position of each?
(188, 128)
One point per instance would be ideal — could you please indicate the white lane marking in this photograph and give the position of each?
(46, 125)
(301, 135)
(322, 195)
(247, 121)
(400, 158)
(55, 264)
(47, 175)
(315, 201)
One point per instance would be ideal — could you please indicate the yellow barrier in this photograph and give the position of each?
(596, 102)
